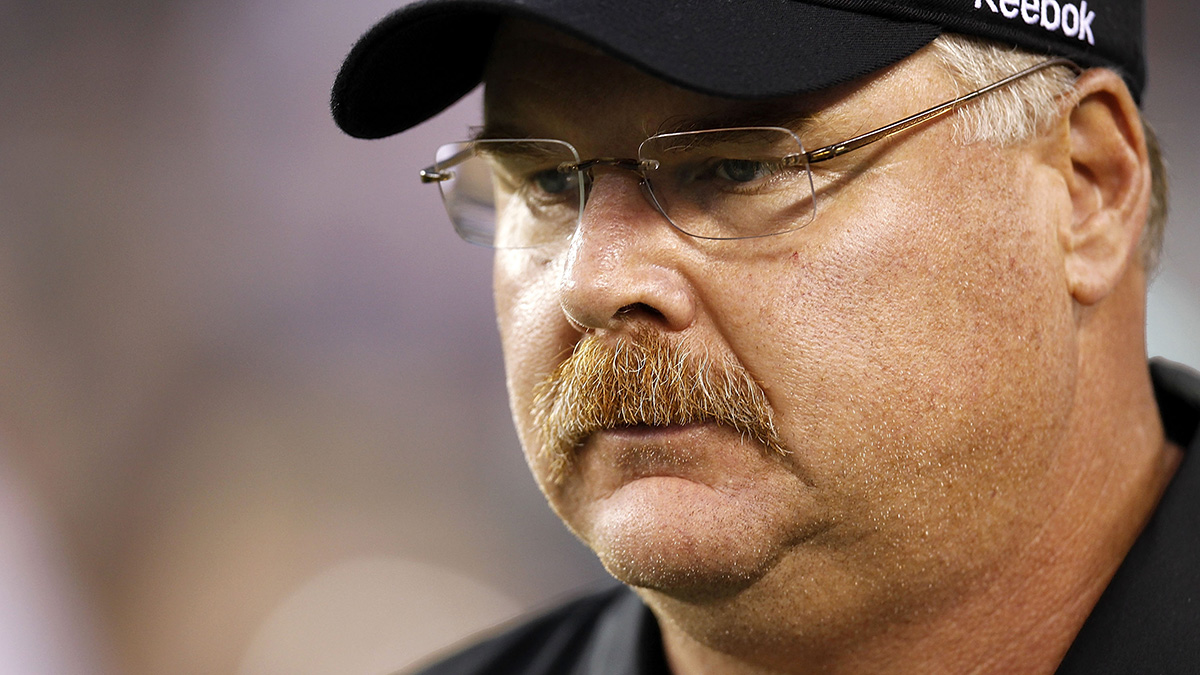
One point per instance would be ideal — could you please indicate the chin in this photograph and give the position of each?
(688, 542)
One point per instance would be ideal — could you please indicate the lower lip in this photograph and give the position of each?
(642, 451)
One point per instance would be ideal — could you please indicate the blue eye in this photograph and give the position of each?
(741, 170)
(553, 181)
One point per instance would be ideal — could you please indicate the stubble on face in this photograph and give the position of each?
(645, 379)
(923, 469)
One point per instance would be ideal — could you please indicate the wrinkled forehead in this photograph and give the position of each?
(542, 82)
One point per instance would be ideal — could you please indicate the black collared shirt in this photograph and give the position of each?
(1147, 620)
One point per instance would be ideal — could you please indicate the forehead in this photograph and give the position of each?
(539, 81)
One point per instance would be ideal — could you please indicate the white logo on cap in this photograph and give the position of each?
(1052, 15)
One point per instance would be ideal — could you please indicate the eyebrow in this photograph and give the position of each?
(511, 152)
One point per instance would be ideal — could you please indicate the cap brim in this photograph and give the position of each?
(420, 59)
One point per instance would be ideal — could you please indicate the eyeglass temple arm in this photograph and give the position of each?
(430, 174)
(838, 149)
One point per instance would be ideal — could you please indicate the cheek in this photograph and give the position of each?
(946, 295)
(920, 351)
(532, 331)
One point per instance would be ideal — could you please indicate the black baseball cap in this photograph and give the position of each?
(423, 57)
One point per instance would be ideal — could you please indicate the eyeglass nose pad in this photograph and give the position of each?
(586, 178)
(638, 168)
(589, 181)
(644, 184)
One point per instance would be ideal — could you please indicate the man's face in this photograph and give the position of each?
(914, 344)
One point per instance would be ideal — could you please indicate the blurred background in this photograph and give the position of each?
(252, 412)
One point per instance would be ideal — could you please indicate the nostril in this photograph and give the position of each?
(639, 308)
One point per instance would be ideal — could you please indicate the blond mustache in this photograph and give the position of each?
(645, 379)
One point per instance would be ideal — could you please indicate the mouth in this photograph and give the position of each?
(676, 438)
(691, 451)
(646, 432)
(607, 393)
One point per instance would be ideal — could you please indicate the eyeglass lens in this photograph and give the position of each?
(716, 184)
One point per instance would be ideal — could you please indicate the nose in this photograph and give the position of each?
(624, 264)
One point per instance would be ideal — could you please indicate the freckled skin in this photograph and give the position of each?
(918, 343)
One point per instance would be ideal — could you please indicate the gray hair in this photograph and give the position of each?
(1025, 108)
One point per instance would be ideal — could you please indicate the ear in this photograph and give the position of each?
(1109, 183)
